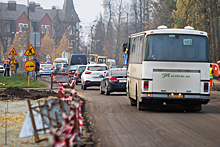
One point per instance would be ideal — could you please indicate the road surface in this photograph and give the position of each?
(120, 125)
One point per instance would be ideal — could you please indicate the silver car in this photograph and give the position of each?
(45, 69)
(2, 69)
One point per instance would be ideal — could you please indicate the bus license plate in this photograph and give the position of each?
(175, 95)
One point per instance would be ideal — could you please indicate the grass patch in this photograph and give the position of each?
(20, 81)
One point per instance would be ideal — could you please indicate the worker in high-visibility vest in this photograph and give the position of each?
(211, 75)
(7, 66)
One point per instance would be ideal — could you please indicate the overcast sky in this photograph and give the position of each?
(88, 10)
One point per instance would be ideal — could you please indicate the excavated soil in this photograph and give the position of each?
(21, 94)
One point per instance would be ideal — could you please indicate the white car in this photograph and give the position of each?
(91, 75)
(45, 68)
(2, 69)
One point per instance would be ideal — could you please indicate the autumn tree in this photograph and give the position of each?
(46, 47)
(57, 50)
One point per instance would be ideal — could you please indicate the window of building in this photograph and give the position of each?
(71, 30)
(8, 41)
(8, 27)
(71, 43)
(32, 28)
(45, 29)
(25, 27)
(22, 27)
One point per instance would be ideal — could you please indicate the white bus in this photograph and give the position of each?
(168, 66)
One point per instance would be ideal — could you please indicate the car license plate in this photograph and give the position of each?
(122, 80)
(46, 72)
(176, 95)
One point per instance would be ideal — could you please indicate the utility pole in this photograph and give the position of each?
(91, 39)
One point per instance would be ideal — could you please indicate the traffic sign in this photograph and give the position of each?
(13, 67)
(125, 56)
(29, 65)
(30, 51)
(13, 52)
(125, 61)
(13, 60)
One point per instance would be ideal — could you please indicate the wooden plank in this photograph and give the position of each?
(33, 122)
(47, 116)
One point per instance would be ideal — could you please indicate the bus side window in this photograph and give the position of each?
(146, 49)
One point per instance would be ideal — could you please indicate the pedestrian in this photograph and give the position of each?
(7, 66)
(17, 66)
(211, 75)
(37, 67)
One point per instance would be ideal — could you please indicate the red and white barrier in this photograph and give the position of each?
(72, 128)
(2, 84)
(73, 122)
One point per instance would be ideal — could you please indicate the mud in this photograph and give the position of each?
(21, 94)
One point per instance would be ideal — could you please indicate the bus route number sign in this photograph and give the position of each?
(187, 41)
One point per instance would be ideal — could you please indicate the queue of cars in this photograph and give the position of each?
(109, 80)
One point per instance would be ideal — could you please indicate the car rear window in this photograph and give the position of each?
(46, 65)
(65, 65)
(97, 68)
(82, 68)
(121, 73)
(73, 67)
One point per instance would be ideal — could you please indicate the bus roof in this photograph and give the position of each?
(164, 30)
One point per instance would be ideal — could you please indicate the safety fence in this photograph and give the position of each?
(73, 123)
(2, 84)
(58, 79)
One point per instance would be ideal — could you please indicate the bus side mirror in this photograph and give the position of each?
(125, 46)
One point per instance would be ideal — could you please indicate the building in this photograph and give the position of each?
(55, 22)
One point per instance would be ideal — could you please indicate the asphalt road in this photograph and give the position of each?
(120, 125)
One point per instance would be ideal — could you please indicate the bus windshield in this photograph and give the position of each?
(176, 47)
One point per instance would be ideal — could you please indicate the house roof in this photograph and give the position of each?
(64, 14)
(69, 11)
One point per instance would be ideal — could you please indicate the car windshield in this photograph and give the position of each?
(97, 68)
(73, 67)
(46, 65)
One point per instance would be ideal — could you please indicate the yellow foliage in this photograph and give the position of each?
(63, 46)
(46, 47)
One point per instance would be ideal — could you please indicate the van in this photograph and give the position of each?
(112, 63)
(78, 59)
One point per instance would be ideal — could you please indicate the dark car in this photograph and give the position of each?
(77, 75)
(72, 69)
(115, 81)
